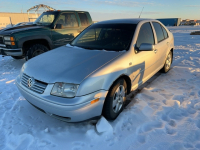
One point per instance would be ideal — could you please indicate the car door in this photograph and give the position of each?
(162, 44)
(66, 28)
(144, 62)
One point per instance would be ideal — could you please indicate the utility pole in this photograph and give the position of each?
(11, 21)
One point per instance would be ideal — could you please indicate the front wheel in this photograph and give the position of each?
(114, 102)
(36, 50)
(168, 63)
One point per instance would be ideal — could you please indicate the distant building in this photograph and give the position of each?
(14, 18)
(4, 22)
(170, 21)
(188, 22)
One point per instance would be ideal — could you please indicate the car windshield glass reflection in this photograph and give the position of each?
(113, 37)
(46, 18)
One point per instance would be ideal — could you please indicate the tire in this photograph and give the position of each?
(18, 57)
(35, 50)
(114, 103)
(168, 63)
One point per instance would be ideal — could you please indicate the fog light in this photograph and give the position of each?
(8, 43)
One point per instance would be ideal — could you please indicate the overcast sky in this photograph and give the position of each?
(112, 9)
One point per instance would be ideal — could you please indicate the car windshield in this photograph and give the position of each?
(111, 37)
(46, 18)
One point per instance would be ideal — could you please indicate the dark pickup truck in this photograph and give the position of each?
(52, 29)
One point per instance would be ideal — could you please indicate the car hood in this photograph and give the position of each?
(69, 65)
(11, 30)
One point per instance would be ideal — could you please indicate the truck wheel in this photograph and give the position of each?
(114, 102)
(35, 50)
(18, 57)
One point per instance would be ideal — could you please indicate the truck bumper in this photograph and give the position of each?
(11, 52)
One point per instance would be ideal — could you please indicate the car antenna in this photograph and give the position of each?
(141, 12)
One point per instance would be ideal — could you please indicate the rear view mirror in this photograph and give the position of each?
(146, 47)
(58, 26)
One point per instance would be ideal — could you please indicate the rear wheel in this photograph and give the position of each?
(168, 63)
(18, 57)
(115, 99)
(35, 50)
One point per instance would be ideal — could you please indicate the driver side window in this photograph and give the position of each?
(67, 20)
(145, 35)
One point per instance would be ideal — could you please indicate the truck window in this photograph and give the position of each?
(84, 19)
(47, 19)
(67, 20)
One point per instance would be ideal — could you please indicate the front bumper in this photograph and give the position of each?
(10, 52)
(65, 112)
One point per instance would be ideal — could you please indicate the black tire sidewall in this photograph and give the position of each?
(18, 57)
(108, 112)
(33, 48)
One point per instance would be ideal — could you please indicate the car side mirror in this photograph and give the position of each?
(58, 26)
(146, 47)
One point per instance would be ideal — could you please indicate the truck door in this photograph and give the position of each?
(66, 28)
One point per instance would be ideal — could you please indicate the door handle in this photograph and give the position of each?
(155, 50)
(167, 43)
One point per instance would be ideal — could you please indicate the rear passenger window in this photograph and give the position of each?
(165, 32)
(84, 19)
(145, 35)
(159, 31)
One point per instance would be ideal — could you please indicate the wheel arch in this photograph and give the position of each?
(26, 41)
(127, 79)
(105, 104)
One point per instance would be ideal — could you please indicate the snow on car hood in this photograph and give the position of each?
(69, 65)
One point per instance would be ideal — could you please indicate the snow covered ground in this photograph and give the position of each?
(165, 115)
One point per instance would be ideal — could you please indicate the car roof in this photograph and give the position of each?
(129, 21)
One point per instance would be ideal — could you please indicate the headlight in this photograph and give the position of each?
(64, 90)
(8, 43)
(7, 38)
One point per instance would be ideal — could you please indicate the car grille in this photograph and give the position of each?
(1, 40)
(37, 87)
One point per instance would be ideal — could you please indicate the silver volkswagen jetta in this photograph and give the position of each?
(92, 75)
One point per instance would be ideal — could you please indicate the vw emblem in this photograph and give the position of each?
(30, 82)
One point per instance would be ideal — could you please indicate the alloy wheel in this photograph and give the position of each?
(118, 98)
(168, 61)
